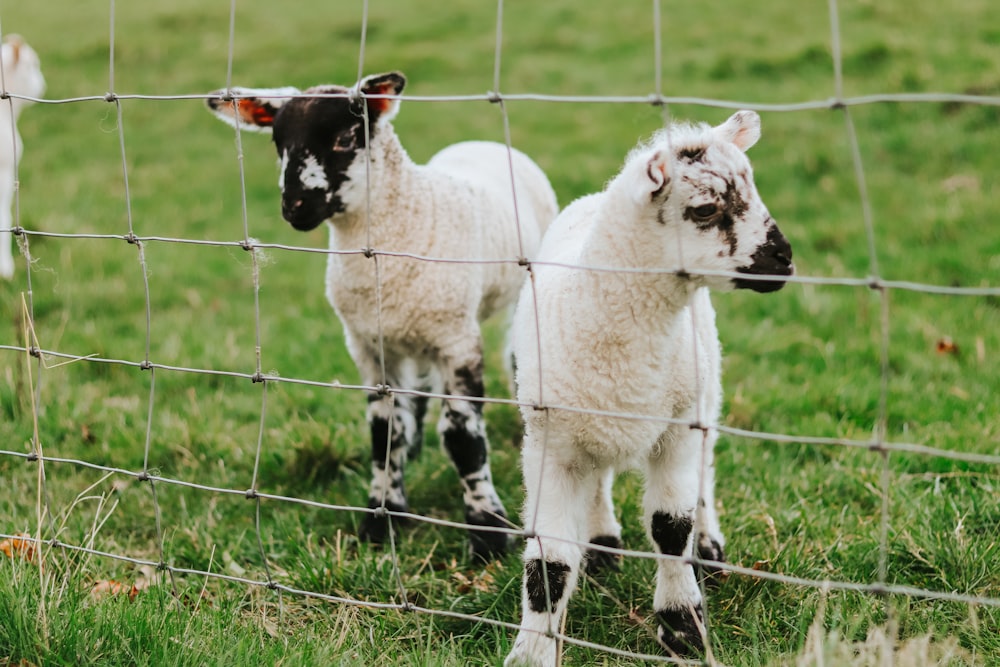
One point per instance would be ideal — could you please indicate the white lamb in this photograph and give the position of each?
(22, 75)
(638, 338)
(459, 206)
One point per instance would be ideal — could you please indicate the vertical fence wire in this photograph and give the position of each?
(880, 428)
(133, 239)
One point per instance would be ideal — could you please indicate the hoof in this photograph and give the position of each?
(487, 545)
(375, 527)
(710, 549)
(680, 631)
(597, 561)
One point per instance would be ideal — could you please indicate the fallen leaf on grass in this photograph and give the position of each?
(635, 618)
(481, 582)
(110, 587)
(21, 546)
(946, 345)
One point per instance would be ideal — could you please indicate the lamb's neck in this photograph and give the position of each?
(634, 282)
(373, 189)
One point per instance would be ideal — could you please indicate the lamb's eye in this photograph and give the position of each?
(704, 212)
(344, 141)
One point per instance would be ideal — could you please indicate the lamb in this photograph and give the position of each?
(426, 320)
(22, 76)
(683, 216)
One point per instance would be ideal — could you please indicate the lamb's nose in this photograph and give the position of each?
(782, 248)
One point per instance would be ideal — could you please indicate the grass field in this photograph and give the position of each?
(805, 361)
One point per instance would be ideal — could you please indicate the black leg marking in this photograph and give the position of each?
(464, 438)
(467, 449)
(487, 545)
(382, 446)
(709, 549)
(375, 528)
(469, 380)
(419, 413)
(679, 631)
(384, 465)
(671, 532)
(534, 581)
(603, 561)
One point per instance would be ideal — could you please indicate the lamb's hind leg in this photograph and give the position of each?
(463, 434)
(603, 528)
(709, 540)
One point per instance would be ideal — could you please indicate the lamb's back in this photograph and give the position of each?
(487, 164)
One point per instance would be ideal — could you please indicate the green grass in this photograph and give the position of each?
(804, 361)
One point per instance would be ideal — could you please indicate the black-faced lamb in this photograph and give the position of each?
(421, 329)
(637, 338)
(22, 75)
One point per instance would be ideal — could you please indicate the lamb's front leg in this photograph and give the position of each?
(670, 501)
(463, 433)
(393, 426)
(556, 504)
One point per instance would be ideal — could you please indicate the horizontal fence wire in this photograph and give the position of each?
(39, 358)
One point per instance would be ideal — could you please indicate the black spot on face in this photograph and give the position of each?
(773, 257)
(723, 214)
(692, 154)
(539, 596)
(736, 206)
(327, 130)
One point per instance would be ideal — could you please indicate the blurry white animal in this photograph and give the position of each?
(22, 76)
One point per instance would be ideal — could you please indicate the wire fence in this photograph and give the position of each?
(39, 358)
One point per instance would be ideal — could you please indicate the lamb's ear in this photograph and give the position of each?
(741, 129)
(256, 107)
(15, 42)
(650, 176)
(390, 83)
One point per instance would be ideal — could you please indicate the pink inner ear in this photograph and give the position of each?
(659, 170)
(380, 105)
(255, 113)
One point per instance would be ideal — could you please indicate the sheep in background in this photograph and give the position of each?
(639, 338)
(459, 206)
(22, 75)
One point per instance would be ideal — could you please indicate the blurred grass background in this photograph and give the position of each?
(804, 361)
